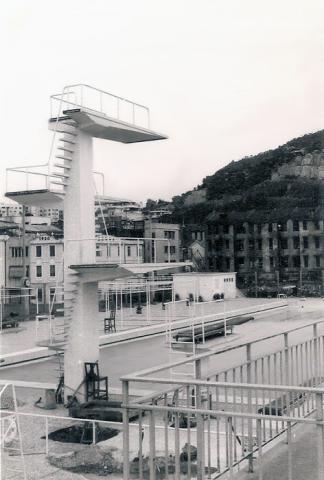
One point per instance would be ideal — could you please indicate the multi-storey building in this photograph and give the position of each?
(47, 268)
(282, 252)
(162, 242)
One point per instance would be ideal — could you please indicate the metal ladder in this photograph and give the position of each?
(12, 461)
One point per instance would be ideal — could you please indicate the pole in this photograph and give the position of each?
(256, 283)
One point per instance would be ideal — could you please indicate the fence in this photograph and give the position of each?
(209, 428)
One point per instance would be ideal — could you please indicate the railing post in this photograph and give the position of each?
(287, 376)
(200, 426)
(315, 340)
(320, 435)
(125, 391)
(46, 435)
(152, 445)
(249, 399)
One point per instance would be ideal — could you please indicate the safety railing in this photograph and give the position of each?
(97, 101)
(242, 408)
(198, 435)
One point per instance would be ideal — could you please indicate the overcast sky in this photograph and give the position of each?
(223, 79)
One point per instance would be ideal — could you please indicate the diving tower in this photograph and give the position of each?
(83, 113)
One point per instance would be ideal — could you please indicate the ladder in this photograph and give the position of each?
(12, 461)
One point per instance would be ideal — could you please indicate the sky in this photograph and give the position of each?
(222, 80)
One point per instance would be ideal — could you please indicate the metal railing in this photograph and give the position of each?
(97, 101)
(233, 413)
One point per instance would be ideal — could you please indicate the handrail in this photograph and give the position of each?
(102, 91)
(79, 102)
(133, 376)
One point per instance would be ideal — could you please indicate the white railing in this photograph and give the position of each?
(97, 101)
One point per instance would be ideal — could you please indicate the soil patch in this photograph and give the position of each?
(82, 434)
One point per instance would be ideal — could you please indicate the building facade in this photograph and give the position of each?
(162, 242)
(283, 252)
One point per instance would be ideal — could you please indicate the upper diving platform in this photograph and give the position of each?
(104, 115)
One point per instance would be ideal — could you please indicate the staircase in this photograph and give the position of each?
(66, 131)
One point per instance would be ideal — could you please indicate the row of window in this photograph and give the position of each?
(239, 244)
(39, 271)
(226, 280)
(297, 261)
(249, 228)
(39, 250)
(17, 252)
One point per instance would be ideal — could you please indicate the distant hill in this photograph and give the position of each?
(287, 181)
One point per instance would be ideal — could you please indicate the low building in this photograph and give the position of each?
(204, 286)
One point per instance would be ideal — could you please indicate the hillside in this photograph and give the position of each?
(284, 182)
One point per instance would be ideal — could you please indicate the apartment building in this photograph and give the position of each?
(285, 251)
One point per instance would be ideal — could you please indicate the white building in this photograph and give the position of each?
(205, 286)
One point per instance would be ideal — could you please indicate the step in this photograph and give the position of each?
(65, 149)
(62, 157)
(62, 184)
(59, 175)
(59, 165)
(71, 142)
(67, 132)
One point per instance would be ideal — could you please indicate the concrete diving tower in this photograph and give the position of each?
(82, 114)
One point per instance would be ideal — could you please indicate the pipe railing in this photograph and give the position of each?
(100, 103)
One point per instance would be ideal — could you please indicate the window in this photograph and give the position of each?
(38, 250)
(259, 228)
(172, 249)
(52, 294)
(225, 229)
(260, 244)
(239, 245)
(260, 262)
(26, 251)
(305, 261)
(240, 228)
(228, 263)
(227, 244)
(38, 271)
(296, 261)
(129, 251)
(282, 227)
(304, 224)
(284, 261)
(295, 226)
(240, 261)
(16, 252)
(270, 227)
(27, 271)
(170, 234)
(296, 242)
(284, 243)
(317, 261)
(305, 242)
(166, 249)
(270, 244)
(271, 262)
(316, 225)
(52, 270)
(52, 250)
(317, 242)
(40, 295)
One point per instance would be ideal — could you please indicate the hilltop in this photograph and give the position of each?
(287, 181)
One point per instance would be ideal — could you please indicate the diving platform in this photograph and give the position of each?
(44, 197)
(99, 125)
(99, 272)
